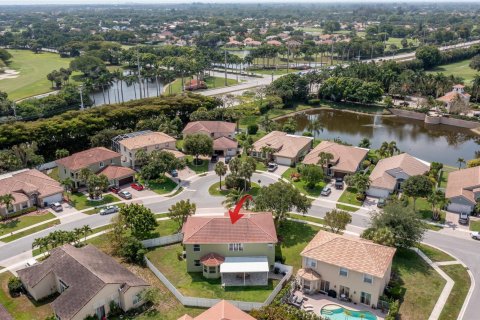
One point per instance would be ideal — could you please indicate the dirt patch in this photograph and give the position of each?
(9, 74)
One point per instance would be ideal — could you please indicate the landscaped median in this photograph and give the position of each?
(80, 201)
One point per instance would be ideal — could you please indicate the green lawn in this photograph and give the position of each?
(215, 191)
(301, 185)
(198, 168)
(306, 218)
(212, 82)
(424, 209)
(165, 228)
(33, 69)
(23, 222)
(80, 201)
(193, 284)
(420, 283)
(22, 308)
(349, 196)
(31, 231)
(54, 174)
(457, 296)
(474, 225)
(459, 69)
(161, 185)
(434, 254)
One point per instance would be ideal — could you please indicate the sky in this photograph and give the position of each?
(30, 2)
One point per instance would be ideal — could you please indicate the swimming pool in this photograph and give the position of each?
(336, 312)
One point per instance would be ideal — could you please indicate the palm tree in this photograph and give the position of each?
(438, 201)
(460, 161)
(7, 200)
(267, 151)
(220, 170)
(78, 232)
(86, 230)
(324, 159)
(232, 198)
(315, 127)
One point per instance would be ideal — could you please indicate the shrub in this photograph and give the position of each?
(233, 182)
(133, 251)
(393, 310)
(15, 286)
(366, 164)
(314, 102)
(252, 129)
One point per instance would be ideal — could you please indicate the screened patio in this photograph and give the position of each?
(244, 271)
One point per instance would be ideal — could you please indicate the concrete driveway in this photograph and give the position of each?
(280, 170)
(138, 194)
(370, 203)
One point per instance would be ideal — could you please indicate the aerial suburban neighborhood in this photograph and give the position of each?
(239, 160)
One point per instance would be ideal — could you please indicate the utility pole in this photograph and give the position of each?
(82, 107)
(225, 65)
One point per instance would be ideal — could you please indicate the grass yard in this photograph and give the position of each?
(54, 174)
(434, 254)
(22, 308)
(165, 228)
(421, 285)
(349, 196)
(198, 168)
(297, 216)
(33, 69)
(80, 201)
(215, 191)
(193, 284)
(459, 69)
(212, 82)
(31, 231)
(301, 185)
(424, 209)
(161, 185)
(457, 296)
(475, 225)
(23, 222)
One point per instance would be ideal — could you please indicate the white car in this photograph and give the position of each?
(272, 166)
(475, 235)
(108, 210)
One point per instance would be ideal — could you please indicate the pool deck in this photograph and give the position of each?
(318, 301)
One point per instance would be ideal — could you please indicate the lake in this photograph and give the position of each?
(438, 143)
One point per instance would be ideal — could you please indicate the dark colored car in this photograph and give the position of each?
(227, 159)
(174, 173)
(137, 186)
(125, 195)
(339, 183)
(114, 189)
(214, 158)
(381, 203)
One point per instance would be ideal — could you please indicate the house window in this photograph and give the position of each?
(65, 171)
(157, 146)
(205, 269)
(196, 247)
(196, 263)
(306, 284)
(324, 286)
(24, 205)
(311, 263)
(235, 247)
(102, 164)
(212, 269)
(367, 278)
(343, 272)
(136, 298)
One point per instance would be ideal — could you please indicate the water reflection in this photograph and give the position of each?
(429, 142)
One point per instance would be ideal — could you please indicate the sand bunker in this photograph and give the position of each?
(9, 74)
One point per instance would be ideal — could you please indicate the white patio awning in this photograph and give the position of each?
(244, 264)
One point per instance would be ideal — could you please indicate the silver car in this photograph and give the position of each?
(125, 195)
(108, 210)
(475, 235)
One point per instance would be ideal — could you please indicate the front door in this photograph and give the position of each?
(365, 298)
(324, 286)
(100, 312)
(345, 291)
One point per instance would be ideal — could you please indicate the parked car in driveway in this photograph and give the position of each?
(326, 191)
(125, 195)
(475, 235)
(108, 210)
(214, 158)
(381, 203)
(137, 186)
(339, 183)
(463, 218)
(114, 189)
(57, 207)
(227, 159)
(174, 173)
(272, 166)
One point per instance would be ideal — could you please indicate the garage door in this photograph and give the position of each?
(378, 193)
(456, 207)
(123, 181)
(283, 161)
(52, 199)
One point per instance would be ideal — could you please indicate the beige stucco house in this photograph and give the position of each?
(96, 159)
(29, 188)
(355, 269)
(214, 129)
(287, 149)
(346, 159)
(223, 310)
(241, 253)
(463, 189)
(458, 92)
(87, 281)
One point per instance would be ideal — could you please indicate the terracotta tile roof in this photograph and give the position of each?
(287, 145)
(116, 172)
(146, 140)
(212, 259)
(88, 157)
(350, 252)
(463, 183)
(251, 228)
(404, 162)
(223, 310)
(308, 274)
(450, 96)
(224, 143)
(209, 127)
(345, 158)
(176, 153)
(23, 183)
(84, 270)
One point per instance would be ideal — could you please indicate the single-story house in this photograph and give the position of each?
(346, 159)
(29, 188)
(87, 281)
(286, 149)
(463, 189)
(240, 254)
(128, 144)
(225, 146)
(347, 267)
(214, 129)
(223, 310)
(389, 174)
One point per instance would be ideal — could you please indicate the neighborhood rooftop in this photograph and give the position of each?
(251, 228)
(146, 139)
(287, 145)
(349, 252)
(209, 127)
(223, 310)
(464, 183)
(85, 158)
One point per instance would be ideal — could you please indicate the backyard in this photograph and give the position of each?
(33, 69)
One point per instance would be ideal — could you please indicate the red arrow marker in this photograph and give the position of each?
(235, 215)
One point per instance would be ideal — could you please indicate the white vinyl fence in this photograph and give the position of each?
(162, 241)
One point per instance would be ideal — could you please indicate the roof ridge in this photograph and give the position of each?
(201, 227)
(261, 227)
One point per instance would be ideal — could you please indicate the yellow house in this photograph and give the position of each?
(87, 281)
(350, 268)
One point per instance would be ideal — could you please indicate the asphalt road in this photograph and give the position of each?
(459, 246)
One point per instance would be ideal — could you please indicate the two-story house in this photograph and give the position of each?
(347, 267)
(98, 160)
(463, 189)
(458, 92)
(128, 145)
(345, 159)
(87, 281)
(242, 253)
(389, 174)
